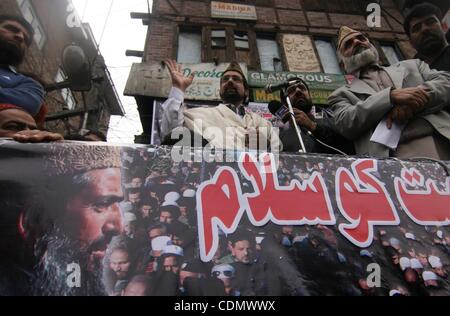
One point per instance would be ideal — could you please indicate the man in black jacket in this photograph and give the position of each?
(424, 26)
(315, 133)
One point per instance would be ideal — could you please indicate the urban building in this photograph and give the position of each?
(56, 26)
(272, 39)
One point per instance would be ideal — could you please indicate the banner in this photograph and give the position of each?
(98, 219)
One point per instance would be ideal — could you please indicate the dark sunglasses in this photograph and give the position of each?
(226, 273)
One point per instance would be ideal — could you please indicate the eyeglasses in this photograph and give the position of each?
(225, 273)
(234, 78)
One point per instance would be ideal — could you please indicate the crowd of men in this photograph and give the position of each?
(139, 239)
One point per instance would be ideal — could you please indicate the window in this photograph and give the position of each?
(218, 39)
(30, 15)
(189, 48)
(269, 54)
(392, 55)
(66, 94)
(241, 40)
(327, 55)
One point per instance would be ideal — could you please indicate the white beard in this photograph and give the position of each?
(367, 57)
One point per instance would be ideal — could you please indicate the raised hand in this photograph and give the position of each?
(178, 79)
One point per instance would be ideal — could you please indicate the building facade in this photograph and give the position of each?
(56, 26)
(273, 39)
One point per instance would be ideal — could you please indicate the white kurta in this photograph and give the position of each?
(219, 125)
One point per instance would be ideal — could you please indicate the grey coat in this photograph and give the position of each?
(358, 108)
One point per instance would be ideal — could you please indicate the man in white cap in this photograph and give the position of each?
(430, 279)
(395, 111)
(171, 259)
(158, 244)
(229, 118)
(405, 263)
(438, 267)
(129, 224)
(416, 265)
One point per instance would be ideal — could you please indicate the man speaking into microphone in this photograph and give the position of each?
(318, 135)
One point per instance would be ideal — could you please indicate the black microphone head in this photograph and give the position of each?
(274, 106)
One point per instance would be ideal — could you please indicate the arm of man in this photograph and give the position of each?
(437, 84)
(173, 116)
(28, 94)
(353, 116)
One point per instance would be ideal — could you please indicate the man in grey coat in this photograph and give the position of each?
(397, 111)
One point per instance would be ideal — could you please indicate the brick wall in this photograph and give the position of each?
(161, 44)
(285, 16)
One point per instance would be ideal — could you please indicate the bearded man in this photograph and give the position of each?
(397, 111)
(16, 36)
(63, 214)
(317, 135)
(228, 125)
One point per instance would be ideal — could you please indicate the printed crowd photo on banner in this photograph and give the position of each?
(90, 219)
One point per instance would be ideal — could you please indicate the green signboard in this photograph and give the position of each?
(315, 81)
(318, 96)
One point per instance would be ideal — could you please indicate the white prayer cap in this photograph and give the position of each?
(173, 249)
(415, 264)
(171, 197)
(410, 236)
(429, 276)
(440, 234)
(160, 242)
(166, 203)
(405, 263)
(189, 193)
(435, 262)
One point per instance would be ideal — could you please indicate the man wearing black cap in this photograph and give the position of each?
(316, 133)
(423, 24)
(224, 126)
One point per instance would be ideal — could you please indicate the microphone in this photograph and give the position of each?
(272, 87)
(278, 109)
